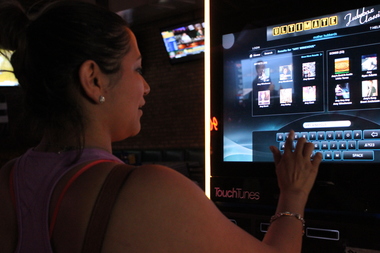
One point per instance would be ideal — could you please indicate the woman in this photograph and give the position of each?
(80, 67)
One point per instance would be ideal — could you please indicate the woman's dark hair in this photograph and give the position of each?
(49, 49)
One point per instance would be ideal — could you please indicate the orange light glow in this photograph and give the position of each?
(214, 124)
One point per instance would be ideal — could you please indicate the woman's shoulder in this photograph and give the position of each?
(160, 210)
(154, 175)
(159, 184)
(162, 185)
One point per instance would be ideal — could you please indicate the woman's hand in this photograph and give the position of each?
(296, 170)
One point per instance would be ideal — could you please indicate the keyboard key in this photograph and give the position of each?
(357, 134)
(337, 155)
(369, 144)
(348, 135)
(321, 136)
(358, 155)
(312, 136)
(371, 134)
(280, 137)
(328, 155)
(338, 135)
(352, 145)
(333, 145)
(329, 135)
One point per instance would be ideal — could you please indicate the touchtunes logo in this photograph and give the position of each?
(236, 193)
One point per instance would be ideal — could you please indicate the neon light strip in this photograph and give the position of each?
(207, 91)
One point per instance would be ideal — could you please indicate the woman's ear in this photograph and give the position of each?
(92, 80)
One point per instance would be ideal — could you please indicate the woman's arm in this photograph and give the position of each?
(296, 173)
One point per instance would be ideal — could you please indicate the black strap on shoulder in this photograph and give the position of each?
(102, 210)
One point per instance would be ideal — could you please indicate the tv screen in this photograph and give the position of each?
(7, 77)
(317, 76)
(184, 42)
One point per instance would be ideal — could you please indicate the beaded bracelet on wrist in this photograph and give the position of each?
(289, 214)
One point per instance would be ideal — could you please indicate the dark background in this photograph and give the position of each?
(174, 113)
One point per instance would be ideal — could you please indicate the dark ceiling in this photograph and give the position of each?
(140, 11)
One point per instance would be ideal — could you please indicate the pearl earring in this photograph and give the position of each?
(102, 99)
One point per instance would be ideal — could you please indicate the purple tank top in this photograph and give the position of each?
(35, 175)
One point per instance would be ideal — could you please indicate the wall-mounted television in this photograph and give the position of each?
(7, 78)
(316, 75)
(184, 42)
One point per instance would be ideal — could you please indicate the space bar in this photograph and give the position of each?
(358, 155)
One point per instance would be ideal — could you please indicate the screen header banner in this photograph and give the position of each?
(346, 19)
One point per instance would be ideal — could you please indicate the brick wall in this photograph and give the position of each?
(174, 114)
